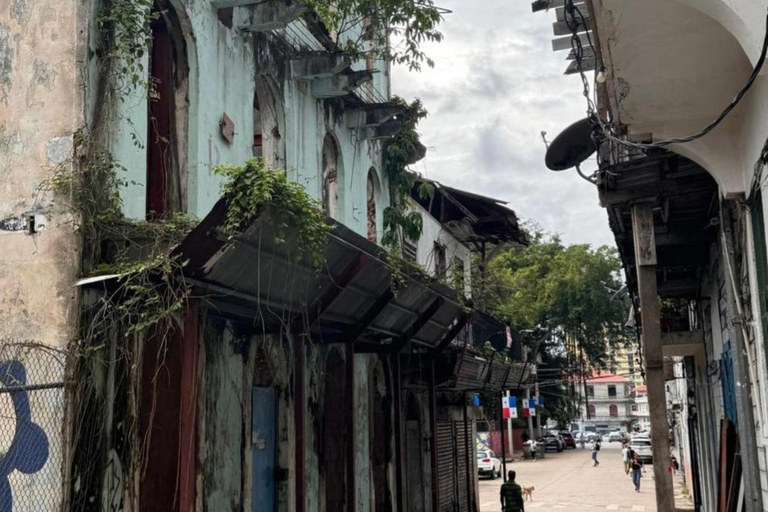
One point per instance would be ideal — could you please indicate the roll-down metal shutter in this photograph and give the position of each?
(461, 464)
(446, 462)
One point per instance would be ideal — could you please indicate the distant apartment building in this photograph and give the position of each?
(623, 361)
(608, 404)
(640, 410)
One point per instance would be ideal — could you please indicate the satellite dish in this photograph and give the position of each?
(571, 147)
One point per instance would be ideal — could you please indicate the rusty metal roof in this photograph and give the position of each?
(352, 292)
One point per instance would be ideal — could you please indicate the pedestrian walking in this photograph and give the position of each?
(625, 458)
(637, 471)
(532, 444)
(511, 495)
(595, 449)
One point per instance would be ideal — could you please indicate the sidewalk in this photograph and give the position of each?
(683, 502)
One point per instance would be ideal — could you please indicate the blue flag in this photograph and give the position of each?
(513, 402)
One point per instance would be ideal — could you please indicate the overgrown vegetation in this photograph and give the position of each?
(399, 153)
(254, 189)
(385, 29)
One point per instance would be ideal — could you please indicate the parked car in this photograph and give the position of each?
(550, 443)
(488, 464)
(591, 437)
(642, 447)
(615, 437)
(570, 442)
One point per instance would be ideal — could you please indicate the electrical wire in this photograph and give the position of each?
(605, 129)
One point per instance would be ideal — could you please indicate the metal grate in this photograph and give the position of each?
(31, 418)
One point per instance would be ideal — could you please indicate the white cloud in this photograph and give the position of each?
(496, 85)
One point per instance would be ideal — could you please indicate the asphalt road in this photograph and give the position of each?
(567, 482)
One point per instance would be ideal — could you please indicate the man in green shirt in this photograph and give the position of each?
(511, 495)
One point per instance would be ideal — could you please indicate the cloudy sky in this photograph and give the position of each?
(495, 86)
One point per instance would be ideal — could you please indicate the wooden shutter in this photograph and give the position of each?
(461, 463)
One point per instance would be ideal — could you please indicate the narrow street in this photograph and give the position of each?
(567, 481)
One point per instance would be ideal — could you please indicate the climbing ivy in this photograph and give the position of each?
(399, 219)
(254, 189)
(126, 33)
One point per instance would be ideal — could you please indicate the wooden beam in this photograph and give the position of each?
(417, 325)
(339, 85)
(454, 331)
(337, 286)
(561, 28)
(370, 316)
(564, 43)
(543, 5)
(645, 257)
(318, 65)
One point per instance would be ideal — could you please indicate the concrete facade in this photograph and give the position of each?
(610, 403)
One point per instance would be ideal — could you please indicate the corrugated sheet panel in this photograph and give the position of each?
(462, 469)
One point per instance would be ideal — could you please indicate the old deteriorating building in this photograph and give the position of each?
(684, 201)
(164, 347)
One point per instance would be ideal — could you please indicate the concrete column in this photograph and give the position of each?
(742, 385)
(645, 259)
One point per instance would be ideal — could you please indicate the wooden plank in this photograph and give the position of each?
(543, 5)
(645, 256)
(645, 241)
(586, 65)
(588, 53)
(564, 43)
(560, 12)
(561, 28)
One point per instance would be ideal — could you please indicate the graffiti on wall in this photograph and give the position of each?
(28, 450)
(483, 441)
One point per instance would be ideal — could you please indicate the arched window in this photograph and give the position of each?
(372, 194)
(590, 411)
(268, 124)
(331, 175)
(166, 127)
(614, 411)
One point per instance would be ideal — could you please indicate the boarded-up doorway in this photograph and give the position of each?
(414, 451)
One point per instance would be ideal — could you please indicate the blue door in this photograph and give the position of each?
(263, 424)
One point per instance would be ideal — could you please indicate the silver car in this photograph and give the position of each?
(642, 447)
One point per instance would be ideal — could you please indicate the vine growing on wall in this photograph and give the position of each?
(399, 152)
(254, 189)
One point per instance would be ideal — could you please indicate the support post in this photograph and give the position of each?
(509, 427)
(741, 371)
(397, 392)
(433, 436)
(350, 406)
(530, 418)
(501, 435)
(298, 396)
(645, 259)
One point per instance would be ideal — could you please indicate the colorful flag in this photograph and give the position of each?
(533, 411)
(540, 401)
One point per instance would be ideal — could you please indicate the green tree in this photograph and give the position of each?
(568, 290)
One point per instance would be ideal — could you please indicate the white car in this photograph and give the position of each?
(642, 447)
(488, 464)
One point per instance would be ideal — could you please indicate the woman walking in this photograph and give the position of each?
(637, 471)
(595, 449)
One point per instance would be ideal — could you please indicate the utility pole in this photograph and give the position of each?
(645, 260)
(536, 387)
(530, 418)
(509, 429)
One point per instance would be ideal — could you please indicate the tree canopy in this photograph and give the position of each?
(570, 290)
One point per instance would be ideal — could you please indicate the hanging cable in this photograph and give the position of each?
(605, 129)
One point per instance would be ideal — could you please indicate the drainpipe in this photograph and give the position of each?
(742, 386)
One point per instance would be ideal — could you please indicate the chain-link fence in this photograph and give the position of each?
(31, 416)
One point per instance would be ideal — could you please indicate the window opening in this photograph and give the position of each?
(614, 411)
(371, 206)
(590, 411)
(440, 261)
(160, 112)
(330, 177)
(590, 390)
(611, 390)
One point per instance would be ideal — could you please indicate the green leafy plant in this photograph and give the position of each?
(399, 152)
(125, 26)
(254, 189)
(393, 30)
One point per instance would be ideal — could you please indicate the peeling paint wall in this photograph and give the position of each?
(39, 112)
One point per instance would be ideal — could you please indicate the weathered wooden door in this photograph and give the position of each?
(263, 449)
(414, 469)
